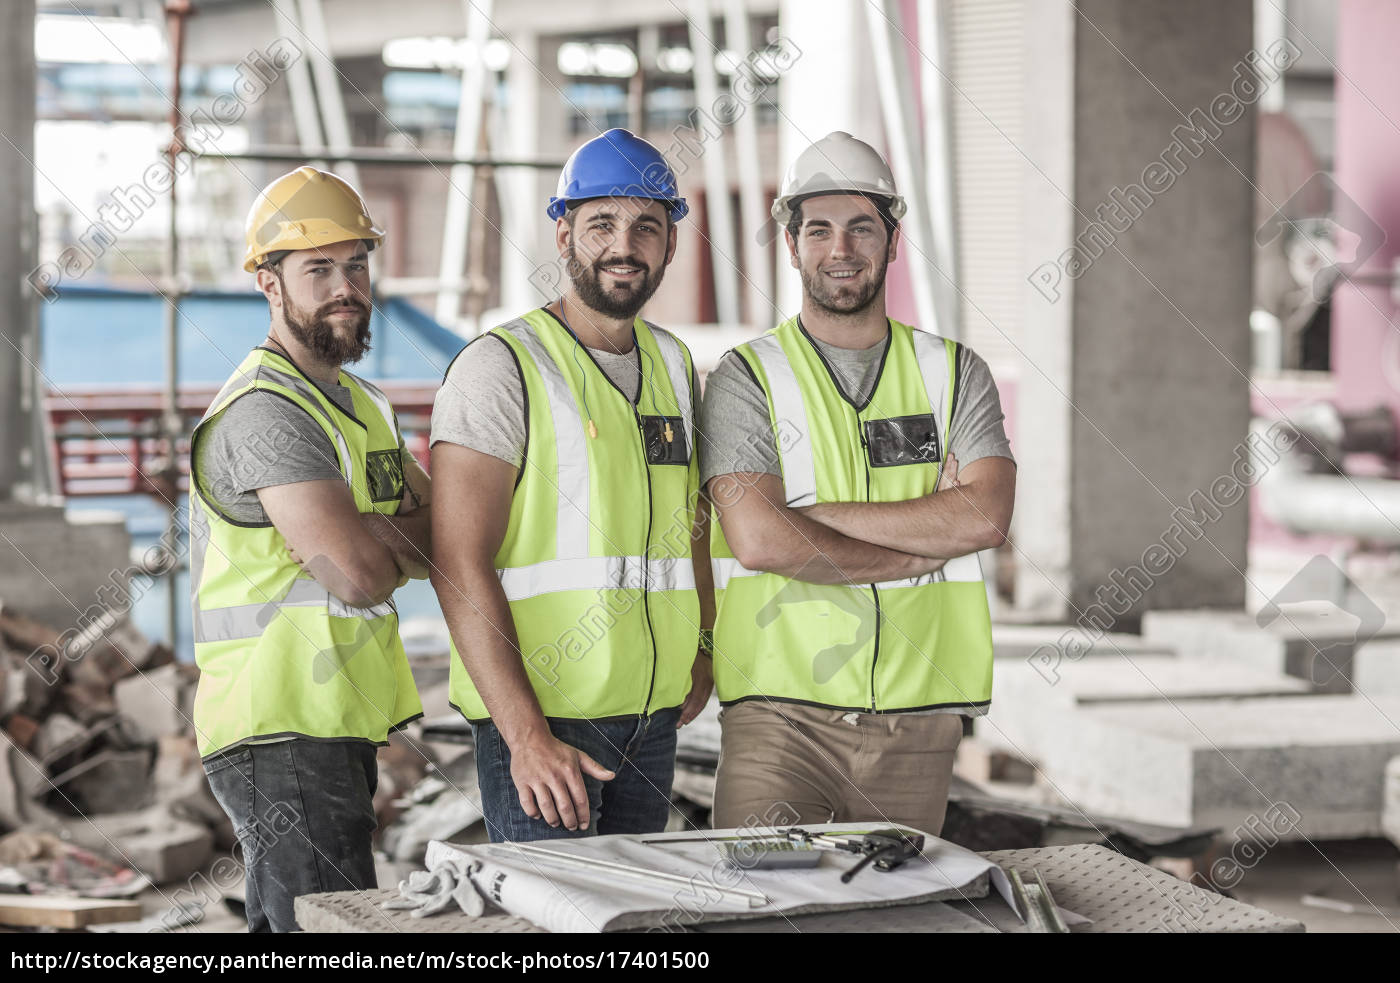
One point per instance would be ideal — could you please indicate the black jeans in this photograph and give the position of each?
(303, 814)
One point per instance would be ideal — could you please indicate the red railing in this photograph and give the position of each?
(106, 441)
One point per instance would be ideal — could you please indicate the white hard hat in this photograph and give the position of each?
(836, 163)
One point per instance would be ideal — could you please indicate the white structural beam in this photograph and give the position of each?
(333, 116)
(939, 180)
(303, 96)
(826, 88)
(902, 131)
(523, 216)
(457, 223)
(723, 255)
(758, 268)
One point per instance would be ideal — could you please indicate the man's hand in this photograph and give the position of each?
(702, 683)
(948, 477)
(408, 538)
(548, 778)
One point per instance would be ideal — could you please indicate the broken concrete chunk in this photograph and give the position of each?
(22, 730)
(109, 781)
(1390, 805)
(151, 701)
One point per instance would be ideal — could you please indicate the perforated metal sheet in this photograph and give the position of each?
(1122, 895)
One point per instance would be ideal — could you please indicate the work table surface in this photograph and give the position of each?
(1115, 893)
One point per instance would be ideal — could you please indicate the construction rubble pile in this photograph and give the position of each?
(101, 789)
(102, 794)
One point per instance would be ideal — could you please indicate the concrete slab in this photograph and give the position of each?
(1315, 642)
(1316, 762)
(1135, 677)
(1376, 669)
(1390, 807)
(1024, 642)
(1027, 706)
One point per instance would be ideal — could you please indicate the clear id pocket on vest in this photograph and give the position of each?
(664, 437)
(902, 440)
(384, 475)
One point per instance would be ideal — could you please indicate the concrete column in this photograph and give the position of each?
(1134, 399)
(50, 569)
(19, 244)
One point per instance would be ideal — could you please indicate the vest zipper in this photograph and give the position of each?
(874, 590)
(646, 566)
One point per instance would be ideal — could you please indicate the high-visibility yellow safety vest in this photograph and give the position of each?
(278, 654)
(914, 644)
(596, 560)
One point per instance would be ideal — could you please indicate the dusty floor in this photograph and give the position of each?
(1363, 873)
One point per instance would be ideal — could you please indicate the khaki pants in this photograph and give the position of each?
(783, 764)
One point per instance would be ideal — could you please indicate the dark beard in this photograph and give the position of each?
(622, 304)
(832, 302)
(319, 336)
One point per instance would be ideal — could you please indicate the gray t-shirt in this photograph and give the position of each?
(263, 440)
(735, 411)
(481, 404)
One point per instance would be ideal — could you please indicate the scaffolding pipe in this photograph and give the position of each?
(19, 249)
(457, 221)
(387, 158)
(173, 423)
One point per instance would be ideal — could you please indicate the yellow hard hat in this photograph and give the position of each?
(306, 209)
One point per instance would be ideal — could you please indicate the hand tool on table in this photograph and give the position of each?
(1035, 899)
(885, 849)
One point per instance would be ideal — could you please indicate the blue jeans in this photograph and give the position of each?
(304, 816)
(642, 752)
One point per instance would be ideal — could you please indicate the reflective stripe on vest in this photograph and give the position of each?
(570, 448)
(594, 573)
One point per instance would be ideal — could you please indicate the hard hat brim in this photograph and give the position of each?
(783, 207)
(676, 208)
(311, 235)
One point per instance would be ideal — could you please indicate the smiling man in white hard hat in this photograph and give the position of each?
(853, 634)
(306, 513)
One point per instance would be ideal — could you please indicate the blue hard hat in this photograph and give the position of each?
(617, 164)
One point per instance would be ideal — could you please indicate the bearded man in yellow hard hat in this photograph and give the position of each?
(306, 513)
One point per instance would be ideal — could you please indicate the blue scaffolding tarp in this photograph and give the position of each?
(104, 335)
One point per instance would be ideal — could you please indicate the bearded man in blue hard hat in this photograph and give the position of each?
(570, 558)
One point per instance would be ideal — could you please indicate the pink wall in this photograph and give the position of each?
(1364, 349)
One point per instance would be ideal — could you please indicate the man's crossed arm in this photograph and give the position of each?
(360, 558)
(865, 542)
